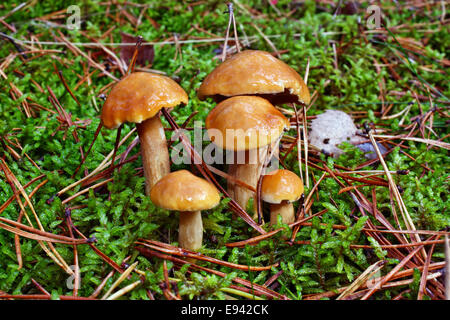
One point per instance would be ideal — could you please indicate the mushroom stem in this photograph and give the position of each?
(247, 172)
(190, 233)
(155, 155)
(285, 209)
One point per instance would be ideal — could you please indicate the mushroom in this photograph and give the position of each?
(245, 125)
(255, 72)
(184, 192)
(138, 98)
(280, 188)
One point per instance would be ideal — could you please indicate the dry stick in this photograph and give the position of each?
(135, 54)
(374, 268)
(120, 279)
(101, 285)
(447, 267)
(99, 127)
(116, 145)
(382, 246)
(166, 281)
(52, 253)
(155, 245)
(255, 240)
(423, 278)
(236, 38)
(305, 146)
(40, 288)
(100, 167)
(87, 190)
(270, 43)
(299, 144)
(37, 234)
(230, 12)
(376, 234)
(202, 167)
(124, 290)
(19, 219)
(401, 274)
(403, 210)
(256, 287)
(75, 257)
(393, 285)
(65, 117)
(16, 192)
(152, 43)
(39, 297)
(66, 85)
(77, 50)
(306, 204)
(436, 143)
(98, 252)
(266, 161)
(107, 172)
(391, 273)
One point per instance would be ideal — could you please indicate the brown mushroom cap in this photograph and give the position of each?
(183, 191)
(281, 185)
(139, 96)
(244, 123)
(254, 72)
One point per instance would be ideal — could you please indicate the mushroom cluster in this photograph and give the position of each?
(244, 123)
(248, 86)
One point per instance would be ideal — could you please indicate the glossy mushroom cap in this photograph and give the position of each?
(138, 97)
(183, 191)
(244, 123)
(254, 72)
(281, 185)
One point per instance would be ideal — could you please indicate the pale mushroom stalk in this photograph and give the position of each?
(285, 209)
(280, 188)
(247, 172)
(154, 151)
(190, 232)
(246, 126)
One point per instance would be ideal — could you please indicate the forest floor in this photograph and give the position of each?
(370, 229)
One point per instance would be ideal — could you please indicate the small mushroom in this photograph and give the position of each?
(255, 72)
(184, 192)
(280, 188)
(245, 125)
(138, 98)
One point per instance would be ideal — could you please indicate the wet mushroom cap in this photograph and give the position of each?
(139, 96)
(281, 185)
(254, 72)
(183, 191)
(244, 123)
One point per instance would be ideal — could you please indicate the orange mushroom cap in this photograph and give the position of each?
(254, 72)
(139, 96)
(183, 191)
(244, 123)
(281, 185)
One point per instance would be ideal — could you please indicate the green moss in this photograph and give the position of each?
(119, 213)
